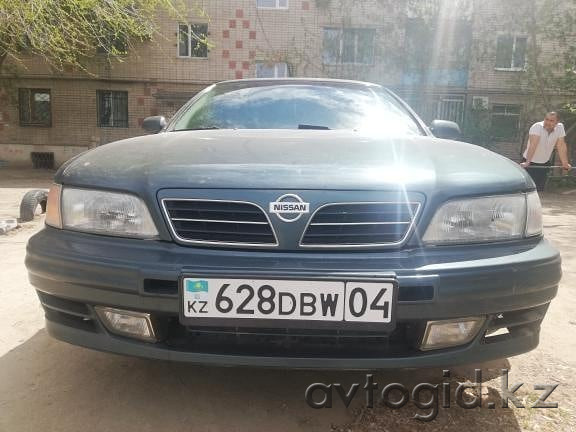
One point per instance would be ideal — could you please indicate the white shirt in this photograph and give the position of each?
(547, 142)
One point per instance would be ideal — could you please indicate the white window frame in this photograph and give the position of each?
(276, 7)
(274, 65)
(341, 47)
(513, 69)
(189, 56)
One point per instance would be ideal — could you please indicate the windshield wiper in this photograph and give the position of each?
(197, 129)
(300, 126)
(312, 127)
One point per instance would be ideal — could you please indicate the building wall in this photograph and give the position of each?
(240, 34)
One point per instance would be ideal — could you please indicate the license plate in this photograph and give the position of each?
(369, 302)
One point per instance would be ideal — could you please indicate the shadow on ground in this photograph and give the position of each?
(48, 385)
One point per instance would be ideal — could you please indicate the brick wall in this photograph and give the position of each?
(159, 82)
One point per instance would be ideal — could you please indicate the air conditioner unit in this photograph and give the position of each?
(480, 102)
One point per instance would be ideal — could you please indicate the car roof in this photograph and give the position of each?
(260, 81)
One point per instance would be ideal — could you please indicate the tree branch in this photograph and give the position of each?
(3, 56)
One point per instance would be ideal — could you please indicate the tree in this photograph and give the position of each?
(68, 32)
(550, 56)
(548, 78)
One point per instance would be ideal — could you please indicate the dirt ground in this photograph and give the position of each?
(52, 386)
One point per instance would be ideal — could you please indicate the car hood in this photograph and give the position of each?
(293, 159)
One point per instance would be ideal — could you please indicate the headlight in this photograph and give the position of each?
(109, 213)
(534, 216)
(484, 219)
(53, 215)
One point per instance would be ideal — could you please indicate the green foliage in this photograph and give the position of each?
(432, 10)
(569, 108)
(67, 32)
(477, 127)
(550, 55)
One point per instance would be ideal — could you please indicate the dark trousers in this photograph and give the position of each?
(539, 175)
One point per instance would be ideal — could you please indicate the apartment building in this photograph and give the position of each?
(465, 61)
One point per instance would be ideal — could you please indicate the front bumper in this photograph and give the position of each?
(511, 284)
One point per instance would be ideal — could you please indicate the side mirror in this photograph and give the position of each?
(154, 124)
(445, 129)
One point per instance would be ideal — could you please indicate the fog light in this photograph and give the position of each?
(449, 333)
(127, 323)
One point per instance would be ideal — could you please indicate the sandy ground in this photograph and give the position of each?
(51, 386)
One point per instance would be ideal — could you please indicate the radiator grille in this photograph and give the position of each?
(402, 341)
(360, 224)
(219, 222)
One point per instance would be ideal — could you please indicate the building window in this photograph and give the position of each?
(192, 40)
(35, 107)
(511, 53)
(272, 4)
(112, 108)
(505, 122)
(348, 46)
(271, 70)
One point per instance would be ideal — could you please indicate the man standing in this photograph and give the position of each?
(544, 137)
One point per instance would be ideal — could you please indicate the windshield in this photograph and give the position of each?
(296, 106)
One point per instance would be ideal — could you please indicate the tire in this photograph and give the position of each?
(30, 202)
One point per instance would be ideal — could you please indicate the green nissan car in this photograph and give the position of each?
(298, 223)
